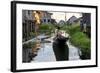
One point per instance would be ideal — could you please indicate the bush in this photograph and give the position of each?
(47, 26)
(73, 29)
(44, 28)
(32, 34)
(80, 40)
(29, 45)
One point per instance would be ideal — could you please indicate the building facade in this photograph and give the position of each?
(28, 22)
(86, 23)
(46, 17)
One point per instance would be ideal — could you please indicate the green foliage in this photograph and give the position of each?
(32, 34)
(80, 40)
(29, 45)
(74, 29)
(46, 28)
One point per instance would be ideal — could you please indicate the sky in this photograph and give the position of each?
(61, 15)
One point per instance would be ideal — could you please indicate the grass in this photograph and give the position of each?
(79, 39)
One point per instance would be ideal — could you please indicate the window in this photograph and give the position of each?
(44, 20)
(48, 20)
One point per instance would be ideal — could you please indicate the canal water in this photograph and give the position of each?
(46, 54)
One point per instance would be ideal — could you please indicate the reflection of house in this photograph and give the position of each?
(28, 21)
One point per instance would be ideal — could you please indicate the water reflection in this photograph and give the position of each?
(46, 53)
